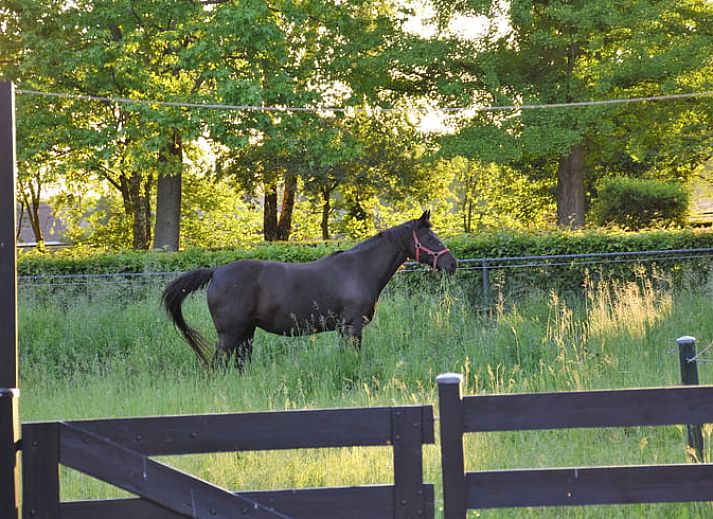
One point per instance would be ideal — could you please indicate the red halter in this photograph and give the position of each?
(420, 247)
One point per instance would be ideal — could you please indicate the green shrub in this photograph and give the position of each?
(634, 203)
(484, 245)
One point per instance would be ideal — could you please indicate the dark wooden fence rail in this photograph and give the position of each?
(118, 452)
(568, 486)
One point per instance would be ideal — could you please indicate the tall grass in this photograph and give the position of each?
(110, 351)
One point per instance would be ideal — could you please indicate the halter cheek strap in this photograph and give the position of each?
(418, 246)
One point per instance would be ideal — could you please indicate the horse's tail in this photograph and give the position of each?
(173, 297)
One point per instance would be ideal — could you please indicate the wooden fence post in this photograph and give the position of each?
(40, 471)
(450, 409)
(689, 377)
(407, 438)
(9, 392)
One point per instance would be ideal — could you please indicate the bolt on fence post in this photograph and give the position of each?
(689, 377)
(450, 409)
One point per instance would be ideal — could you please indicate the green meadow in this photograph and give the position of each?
(108, 350)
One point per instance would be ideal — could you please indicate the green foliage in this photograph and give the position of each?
(534, 52)
(214, 215)
(362, 166)
(95, 219)
(502, 243)
(634, 203)
(490, 196)
(528, 243)
(248, 53)
(80, 260)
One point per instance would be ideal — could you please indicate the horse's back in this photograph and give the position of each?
(273, 275)
(274, 295)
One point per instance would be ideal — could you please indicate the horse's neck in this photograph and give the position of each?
(379, 261)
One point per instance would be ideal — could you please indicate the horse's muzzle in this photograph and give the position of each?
(448, 264)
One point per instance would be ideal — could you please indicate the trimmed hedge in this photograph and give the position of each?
(492, 245)
(515, 244)
(636, 203)
(87, 261)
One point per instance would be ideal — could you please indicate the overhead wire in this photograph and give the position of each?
(349, 109)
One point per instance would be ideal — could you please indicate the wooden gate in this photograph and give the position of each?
(118, 451)
(568, 486)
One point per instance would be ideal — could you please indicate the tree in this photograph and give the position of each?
(361, 156)
(118, 49)
(488, 195)
(560, 52)
(42, 154)
(268, 167)
(329, 149)
(253, 53)
(308, 54)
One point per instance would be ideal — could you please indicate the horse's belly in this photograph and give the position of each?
(285, 323)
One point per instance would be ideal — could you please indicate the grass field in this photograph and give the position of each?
(109, 351)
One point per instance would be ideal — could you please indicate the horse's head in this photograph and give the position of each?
(428, 248)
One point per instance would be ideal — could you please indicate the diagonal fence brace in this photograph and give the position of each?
(163, 485)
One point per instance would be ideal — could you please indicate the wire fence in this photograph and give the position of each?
(571, 270)
(481, 278)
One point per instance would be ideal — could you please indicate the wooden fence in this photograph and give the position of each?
(568, 486)
(118, 451)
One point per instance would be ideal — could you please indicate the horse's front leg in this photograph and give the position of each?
(351, 329)
(351, 334)
(354, 320)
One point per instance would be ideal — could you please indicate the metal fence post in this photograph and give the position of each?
(450, 409)
(689, 377)
(486, 289)
(9, 392)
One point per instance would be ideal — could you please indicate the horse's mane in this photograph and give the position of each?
(398, 236)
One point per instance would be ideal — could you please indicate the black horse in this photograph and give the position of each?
(337, 292)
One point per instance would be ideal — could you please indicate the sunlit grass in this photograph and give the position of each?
(107, 353)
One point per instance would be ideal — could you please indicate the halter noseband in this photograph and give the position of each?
(420, 247)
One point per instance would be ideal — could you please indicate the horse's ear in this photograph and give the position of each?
(425, 217)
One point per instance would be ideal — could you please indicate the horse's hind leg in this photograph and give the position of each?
(244, 353)
(237, 341)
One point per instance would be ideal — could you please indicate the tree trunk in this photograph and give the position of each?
(468, 215)
(570, 189)
(145, 215)
(284, 227)
(326, 210)
(269, 214)
(277, 222)
(20, 217)
(467, 204)
(30, 194)
(168, 195)
(141, 212)
(137, 205)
